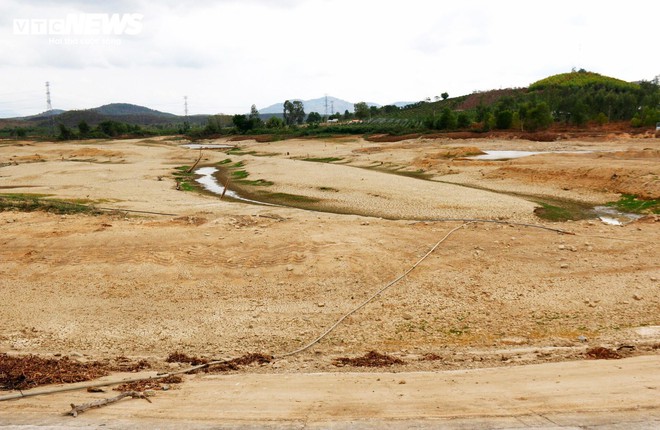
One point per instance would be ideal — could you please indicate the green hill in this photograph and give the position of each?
(120, 112)
(129, 109)
(583, 79)
(574, 98)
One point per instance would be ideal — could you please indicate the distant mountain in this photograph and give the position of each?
(129, 109)
(317, 105)
(45, 114)
(120, 112)
(147, 117)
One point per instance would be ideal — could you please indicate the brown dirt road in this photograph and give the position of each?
(222, 278)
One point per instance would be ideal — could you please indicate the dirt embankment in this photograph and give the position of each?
(634, 172)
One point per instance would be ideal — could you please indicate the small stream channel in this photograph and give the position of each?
(611, 216)
(206, 146)
(210, 183)
(606, 214)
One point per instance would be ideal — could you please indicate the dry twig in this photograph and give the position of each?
(76, 409)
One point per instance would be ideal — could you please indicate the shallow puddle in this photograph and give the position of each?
(611, 216)
(206, 146)
(209, 182)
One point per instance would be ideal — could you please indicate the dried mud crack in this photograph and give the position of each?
(224, 278)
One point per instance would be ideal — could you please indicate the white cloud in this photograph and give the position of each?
(226, 55)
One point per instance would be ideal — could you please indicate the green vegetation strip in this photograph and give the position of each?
(417, 174)
(257, 183)
(323, 160)
(285, 198)
(550, 212)
(184, 179)
(238, 151)
(239, 174)
(634, 204)
(39, 202)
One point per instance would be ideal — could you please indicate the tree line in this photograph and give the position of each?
(575, 98)
(104, 129)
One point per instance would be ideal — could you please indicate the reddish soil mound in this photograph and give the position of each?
(370, 359)
(390, 138)
(460, 151)
(224, 366)
(649, 219)
(149, 384)
(636, 154)
(487, 97)
(636, 179)
(20, 373)
(591, 132)
(126, 365)
(600, 353)
(94, 152)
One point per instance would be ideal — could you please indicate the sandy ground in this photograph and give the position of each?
(222, 278)
(551, 396)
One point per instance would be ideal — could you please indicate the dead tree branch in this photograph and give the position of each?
(76, 409)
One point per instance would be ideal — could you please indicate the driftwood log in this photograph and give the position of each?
(76, 409)
(224, 190)
(196, 162)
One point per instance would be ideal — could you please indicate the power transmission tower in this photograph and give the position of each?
(326, 107)
(186, 124)
(49, 108)
(49, 105)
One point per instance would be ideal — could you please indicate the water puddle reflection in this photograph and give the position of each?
(210, 183)
(206, 146)
(611, 216)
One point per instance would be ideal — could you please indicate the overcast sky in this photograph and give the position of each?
(226, 55)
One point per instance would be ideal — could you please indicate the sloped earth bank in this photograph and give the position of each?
(220, 279)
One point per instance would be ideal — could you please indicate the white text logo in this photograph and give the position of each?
(83, 24)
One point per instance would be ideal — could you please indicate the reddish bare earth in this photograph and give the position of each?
(221, 278)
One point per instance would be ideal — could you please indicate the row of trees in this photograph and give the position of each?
(528, 116)
(293, 114)
(580, 97)
(534, 110)
(103, 129)
(571, 98)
